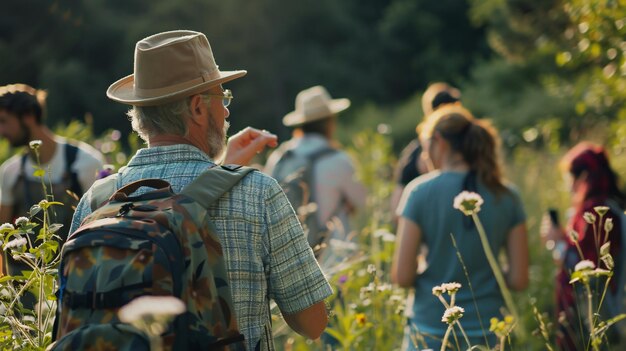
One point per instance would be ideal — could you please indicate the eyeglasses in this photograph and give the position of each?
(226, 96)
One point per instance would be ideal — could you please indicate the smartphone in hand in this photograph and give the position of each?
(554, 216)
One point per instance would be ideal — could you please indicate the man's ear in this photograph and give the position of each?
(198, 108)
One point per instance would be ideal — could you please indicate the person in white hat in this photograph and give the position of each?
(180, 110)
(336, 192)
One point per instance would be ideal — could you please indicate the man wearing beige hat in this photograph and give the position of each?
(180, 110)
(335, 191)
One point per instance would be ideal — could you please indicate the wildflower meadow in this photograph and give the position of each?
(366, 311)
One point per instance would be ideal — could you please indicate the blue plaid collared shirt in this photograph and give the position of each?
(267, 254)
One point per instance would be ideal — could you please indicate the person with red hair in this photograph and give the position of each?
(594, 190)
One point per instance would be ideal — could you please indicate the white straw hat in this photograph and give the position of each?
(314, 104)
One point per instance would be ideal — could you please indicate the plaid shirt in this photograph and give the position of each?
(267, 254)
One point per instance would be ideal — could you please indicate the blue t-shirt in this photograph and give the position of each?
(428, 201)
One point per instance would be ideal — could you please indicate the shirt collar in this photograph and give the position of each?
(168, 154)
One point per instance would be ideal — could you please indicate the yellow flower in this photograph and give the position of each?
(361, 319)
(502, 328)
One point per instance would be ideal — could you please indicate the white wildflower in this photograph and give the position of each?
(438, 290)
(6, 227)
(452, 314)
(451, 287)
(601, 210)
(605, 249)
(584, 265)
(608, 225)
(384, 287)
(371, 269)
(15, 243)
(389, 238)
(589, 217)
(20, 221)
(468, 202)
(34, 144)
(573, 235)
(149, 306)
(385, 235)
(608, 261)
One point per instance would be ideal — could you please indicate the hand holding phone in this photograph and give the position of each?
(554, 216)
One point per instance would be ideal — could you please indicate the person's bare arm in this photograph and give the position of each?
(517, 253)
(404, 265)
(5, 213)
(309, 322)
(396, 195)
(246, 144)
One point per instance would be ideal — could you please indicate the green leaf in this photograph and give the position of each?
(6, 278)
(53, 228)
(34, 210)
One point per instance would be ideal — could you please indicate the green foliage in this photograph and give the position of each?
(27, 327)
(366, 311)
(534, 171)
(574, 53)
(380, 51)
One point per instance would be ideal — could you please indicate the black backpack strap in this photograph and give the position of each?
(310, 169)
(71, 153)
(285, 152)
(214, 182)
(28, 201)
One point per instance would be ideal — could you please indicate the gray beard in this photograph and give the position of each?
(216, 138)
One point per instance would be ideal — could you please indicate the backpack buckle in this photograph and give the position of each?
(231, 167)
(125, 209)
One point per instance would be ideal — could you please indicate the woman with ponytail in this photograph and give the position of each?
(463, 153)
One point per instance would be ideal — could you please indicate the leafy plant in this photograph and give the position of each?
(33, 241)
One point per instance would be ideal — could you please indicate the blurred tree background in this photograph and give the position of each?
(549, 73)
(374, 52)
(543, 70)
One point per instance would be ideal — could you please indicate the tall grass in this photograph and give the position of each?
(366, 312)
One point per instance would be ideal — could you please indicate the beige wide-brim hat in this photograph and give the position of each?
(313, 104)
(170, 66)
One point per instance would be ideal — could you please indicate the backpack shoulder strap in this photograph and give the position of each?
(214, 182)
(285, 152)
(71, 153)
(102, 190)
(321, 153)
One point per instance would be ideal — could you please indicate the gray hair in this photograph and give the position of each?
(169, 118)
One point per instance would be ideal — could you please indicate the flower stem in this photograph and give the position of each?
(506, 294)
(444, 343)
(469, 345)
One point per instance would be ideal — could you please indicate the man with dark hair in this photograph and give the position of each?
(179, 108)
(68, 165)
(409, 165)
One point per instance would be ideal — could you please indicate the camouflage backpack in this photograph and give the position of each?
(296, 177)
(158, 243)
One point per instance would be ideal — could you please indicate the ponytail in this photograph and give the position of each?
(480, 146)
(476, 140)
